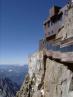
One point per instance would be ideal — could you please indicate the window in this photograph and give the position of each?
(45, 25)
(52, 32)
(49, 24)
(60, 18)
(66, 13)
(49, 33)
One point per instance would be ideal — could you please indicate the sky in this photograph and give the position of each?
(21, 28)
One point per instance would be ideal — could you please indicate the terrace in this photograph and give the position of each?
(64, 54)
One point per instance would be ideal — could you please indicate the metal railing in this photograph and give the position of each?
(68, 48)
(53, 47)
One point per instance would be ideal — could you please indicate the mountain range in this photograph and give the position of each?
(15, 73)
(8, 88)
(11, 79)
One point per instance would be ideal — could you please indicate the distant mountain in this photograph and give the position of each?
(8, 88)
(15, 73)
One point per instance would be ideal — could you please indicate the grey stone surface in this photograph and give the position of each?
(57, 80)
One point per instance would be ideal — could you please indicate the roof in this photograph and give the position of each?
(52, 11)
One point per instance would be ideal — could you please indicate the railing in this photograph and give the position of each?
(53, 47)
(56, 48)
(68, 48)
(49, 46)
(64, 54)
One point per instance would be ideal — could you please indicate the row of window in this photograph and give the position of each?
(68, 48)
(53, 20)
(49, 33)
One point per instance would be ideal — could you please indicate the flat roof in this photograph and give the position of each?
(48, 19)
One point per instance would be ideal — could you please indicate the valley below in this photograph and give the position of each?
(11, 79)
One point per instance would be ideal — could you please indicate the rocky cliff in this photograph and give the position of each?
(47, 77)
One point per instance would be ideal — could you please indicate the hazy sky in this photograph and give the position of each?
(21, 28)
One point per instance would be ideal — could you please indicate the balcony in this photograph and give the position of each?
(53, 28)
(64, 54)
(68, 48)
(58, 52)
(67, 41)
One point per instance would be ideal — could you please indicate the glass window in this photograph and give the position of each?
(49, 24)
(67, 48)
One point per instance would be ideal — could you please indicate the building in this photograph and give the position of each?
(60, 48)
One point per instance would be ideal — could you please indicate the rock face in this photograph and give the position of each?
(34, 80)
(47, 78)
(58, 80)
